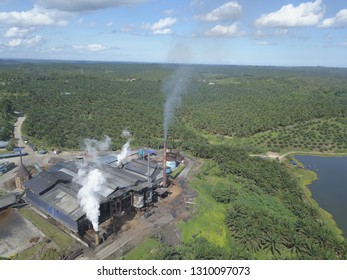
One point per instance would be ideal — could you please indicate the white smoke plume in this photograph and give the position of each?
(174, 87)
(92, 182)
(124, 152)
(92, 146)
(126, 134)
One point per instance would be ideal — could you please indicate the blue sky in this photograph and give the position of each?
(245, 32)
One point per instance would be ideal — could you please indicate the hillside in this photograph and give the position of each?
(247, 207)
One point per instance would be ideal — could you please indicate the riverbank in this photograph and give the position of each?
(305, 178)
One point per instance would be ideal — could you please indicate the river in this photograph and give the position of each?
(330, 190)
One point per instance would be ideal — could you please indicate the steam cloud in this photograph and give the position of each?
(124, 152)
(92, 181)
(174, 87)
(91, 146)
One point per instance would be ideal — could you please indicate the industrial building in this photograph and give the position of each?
(132, 186)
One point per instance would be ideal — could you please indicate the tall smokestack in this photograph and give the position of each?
(164, 165)
(97, 239)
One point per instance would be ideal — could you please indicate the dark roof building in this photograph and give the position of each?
(55, 191)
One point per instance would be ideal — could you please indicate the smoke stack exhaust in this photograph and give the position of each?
(97, 240)
(164, 165)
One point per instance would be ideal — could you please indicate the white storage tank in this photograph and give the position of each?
(138, 200)
(171, 164)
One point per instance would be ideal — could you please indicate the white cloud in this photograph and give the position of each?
(265, 43)
(26, 42)
(305, 14)
(281, 32)
(14, 42)
(18, 32)
(90, 47)
(34, 17)
(340, 20)
(86, 5)
(162, 27)
(228, 11)
(259, 34)
(224, 31)
(127, 29)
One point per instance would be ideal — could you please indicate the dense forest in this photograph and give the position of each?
(256, 209)
(252, 209)
(67, 102)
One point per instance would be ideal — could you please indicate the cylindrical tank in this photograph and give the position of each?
(138, 200)
(171, 164)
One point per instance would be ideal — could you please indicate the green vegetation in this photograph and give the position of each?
(150, 249)
(7, 119)
(266, 212)
(247, 207)
(317, 135)
(177, 171)
(258, 104)
(54, 234)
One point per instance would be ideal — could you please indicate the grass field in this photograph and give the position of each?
(209, 218)
(147, 250)
(62, 240)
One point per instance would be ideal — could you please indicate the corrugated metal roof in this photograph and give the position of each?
(41, 182)
(107, 159)
(7, 200)
(64, 201)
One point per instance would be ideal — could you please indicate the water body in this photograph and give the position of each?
(330, 190)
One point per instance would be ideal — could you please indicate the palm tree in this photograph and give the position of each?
(249, 239)
(273, 242)
(295, 243)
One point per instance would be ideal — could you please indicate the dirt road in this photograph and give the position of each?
(32, 157)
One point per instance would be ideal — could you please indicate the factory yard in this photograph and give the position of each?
(22, 233)
(16, 233)
(162, 224)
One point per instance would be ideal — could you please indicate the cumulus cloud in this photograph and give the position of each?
(18, 32)
(26, 42)
(162, 27)
(90, 47)
(34, 17)
(224, 31)
(305, 14)
(86, 5)
(340, 20)
(20, 36)
(228, 11)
